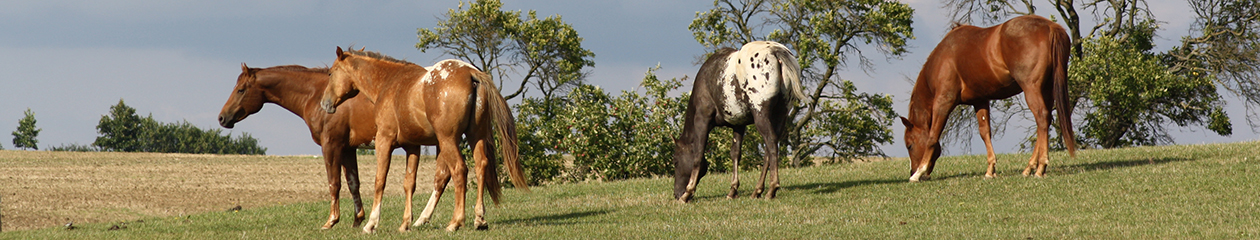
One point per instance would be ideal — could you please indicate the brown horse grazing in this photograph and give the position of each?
(417, 107)
(755, 85)
(298, 89)
(973, 65)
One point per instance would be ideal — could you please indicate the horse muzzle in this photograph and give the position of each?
(227, 122)
(328, 105)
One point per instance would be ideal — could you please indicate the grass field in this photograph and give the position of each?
(1169, 192)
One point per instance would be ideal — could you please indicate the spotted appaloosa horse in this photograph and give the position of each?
(439, 105)
(755, 85)
(299, 89)
(973, 65)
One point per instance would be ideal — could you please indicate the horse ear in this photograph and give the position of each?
(906, 122)
(362, 49)
(340, 54)
(244, 68)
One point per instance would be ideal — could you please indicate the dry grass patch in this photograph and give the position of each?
(43, 189)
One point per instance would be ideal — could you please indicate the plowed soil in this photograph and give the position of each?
(41, 189)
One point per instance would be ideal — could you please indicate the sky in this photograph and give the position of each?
(69, 61)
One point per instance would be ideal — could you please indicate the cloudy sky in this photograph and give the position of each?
(68, 61)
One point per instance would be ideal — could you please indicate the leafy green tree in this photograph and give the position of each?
(24, 136)
(546, 53)
(1132, 95)
(825, 35)
(119, 131)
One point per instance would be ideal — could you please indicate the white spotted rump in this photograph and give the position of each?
(753, 75)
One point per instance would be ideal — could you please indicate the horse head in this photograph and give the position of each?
(922, 150)
(247, 98)
(341, 83)
(686, 159)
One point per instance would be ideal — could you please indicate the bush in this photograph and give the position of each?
(124, 131)
(75, 147)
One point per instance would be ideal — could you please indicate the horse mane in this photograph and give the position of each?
(955, 24)
(297, 68)
(376, 55)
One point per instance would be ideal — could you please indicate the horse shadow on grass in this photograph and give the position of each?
(832, 187)
(1081, 167)
(557, 219)
(1102, 166)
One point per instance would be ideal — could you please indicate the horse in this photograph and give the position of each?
(299, 89)
(755, 85)
(438, 106)
(974, 65)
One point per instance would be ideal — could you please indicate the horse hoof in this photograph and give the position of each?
(483, 227)
(357, 223)
(404, 229)
(422, 221)
(452, 227)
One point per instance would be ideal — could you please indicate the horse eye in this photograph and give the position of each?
(240, 90)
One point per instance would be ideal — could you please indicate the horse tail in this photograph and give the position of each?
(505, 127)
(1060, 45)
(790, 73)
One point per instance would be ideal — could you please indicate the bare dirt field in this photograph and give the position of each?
(43, 189)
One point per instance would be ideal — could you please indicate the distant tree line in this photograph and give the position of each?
(124, 131)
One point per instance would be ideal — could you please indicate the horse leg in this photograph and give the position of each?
(1037, 104)
(982, 120)
(332, 164)
(459, 170)
(441, 176)
(769, 130)
(1043, 133)
(738, 133)
(383, 148)
(409, 185)
(350, 165)
(482, 152)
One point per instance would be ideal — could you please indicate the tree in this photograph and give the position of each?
(120, 130)
(825, 35)
(547, 53)
(1141, 91)
(24, 136)
(1132, 94)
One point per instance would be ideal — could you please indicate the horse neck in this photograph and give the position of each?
(380, 75)
(921, 100)
(293, 90)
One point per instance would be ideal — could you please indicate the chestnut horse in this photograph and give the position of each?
(755, 85)
(439, 106)
(973, 65)
(298, 89)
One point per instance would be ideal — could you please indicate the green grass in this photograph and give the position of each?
(1170, 192)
